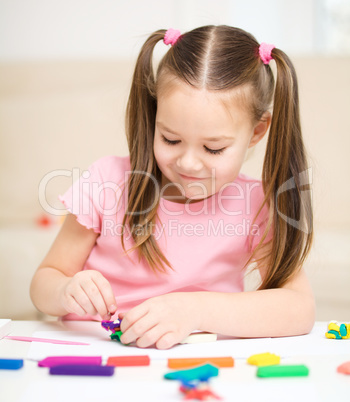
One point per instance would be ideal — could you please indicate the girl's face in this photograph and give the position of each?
(200, 141)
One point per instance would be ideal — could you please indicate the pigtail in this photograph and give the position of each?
(285, 181)
(145, 177)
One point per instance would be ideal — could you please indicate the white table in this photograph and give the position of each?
(138, 384)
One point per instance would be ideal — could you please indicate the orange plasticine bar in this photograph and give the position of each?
(178, 363)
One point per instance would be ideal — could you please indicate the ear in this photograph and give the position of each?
(260, 129)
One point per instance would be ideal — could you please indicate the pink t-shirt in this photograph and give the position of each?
(207, 242)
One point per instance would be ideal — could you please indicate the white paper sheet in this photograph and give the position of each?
(238, 348)
(314, 343)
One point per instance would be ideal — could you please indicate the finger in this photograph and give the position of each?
(84, 302)
(96, 300)
(167, 340)
(106, 291)
(138, 329)
(150, 337)
(132, 316)
(73, 307)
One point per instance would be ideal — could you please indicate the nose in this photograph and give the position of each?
(189, 163)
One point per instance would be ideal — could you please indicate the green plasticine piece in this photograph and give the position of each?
(342, 329)
(335, 333)
(201, 373)
(116, 336)
(283, 371)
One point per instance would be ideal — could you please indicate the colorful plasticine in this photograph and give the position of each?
(11, 364)
(200, 392)
(34, 339)
(82, 369)
(115, 336)
(343, 330)
(331, 334)
(114, 327)
(283, 371)
(178, 363)
(264, 359)
(125, 361)
(338, 331)
(344, 368)
(195, 382)
(52, 361)
(201, 373)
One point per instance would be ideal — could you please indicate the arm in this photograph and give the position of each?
(166, 320)
(60, 285)
(285, 311)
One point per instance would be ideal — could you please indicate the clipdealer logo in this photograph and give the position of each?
(176, 228)
(305, 179)
(95, 192)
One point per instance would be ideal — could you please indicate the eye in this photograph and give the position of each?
(214, 151)
(169, 142)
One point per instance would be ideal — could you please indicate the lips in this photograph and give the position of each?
(190, 177)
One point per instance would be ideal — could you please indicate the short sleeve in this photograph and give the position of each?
(82, 199)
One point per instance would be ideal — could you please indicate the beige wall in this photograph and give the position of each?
(61, 115)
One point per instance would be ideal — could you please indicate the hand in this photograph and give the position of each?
(89, 292)
(163, 320)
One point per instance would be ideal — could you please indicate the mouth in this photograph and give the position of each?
(184, 177)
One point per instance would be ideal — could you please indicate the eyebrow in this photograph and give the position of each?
(210, 139)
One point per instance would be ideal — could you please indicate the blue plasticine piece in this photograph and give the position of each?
(335, 333)
(201, 373)
(342, 329)
(11, 364)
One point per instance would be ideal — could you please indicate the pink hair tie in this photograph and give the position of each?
(171, 36)
(265, 50)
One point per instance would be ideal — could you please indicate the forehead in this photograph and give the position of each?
(180, 104)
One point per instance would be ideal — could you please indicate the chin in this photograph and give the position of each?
(197, 196)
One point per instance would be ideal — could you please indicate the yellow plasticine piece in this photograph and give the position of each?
(333, 326)
(264, 359)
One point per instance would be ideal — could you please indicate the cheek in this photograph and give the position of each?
(227, 170)
(161, 154)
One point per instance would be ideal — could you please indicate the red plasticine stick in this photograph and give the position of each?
(125, 361)
(32, 339)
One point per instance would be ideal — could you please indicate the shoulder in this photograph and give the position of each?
(110, 168)
(243, 178)
(111, 162)
(249, 185)
(252, 191)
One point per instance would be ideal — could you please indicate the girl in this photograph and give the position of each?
(167, 233)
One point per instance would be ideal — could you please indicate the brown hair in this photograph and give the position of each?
(222, 58)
